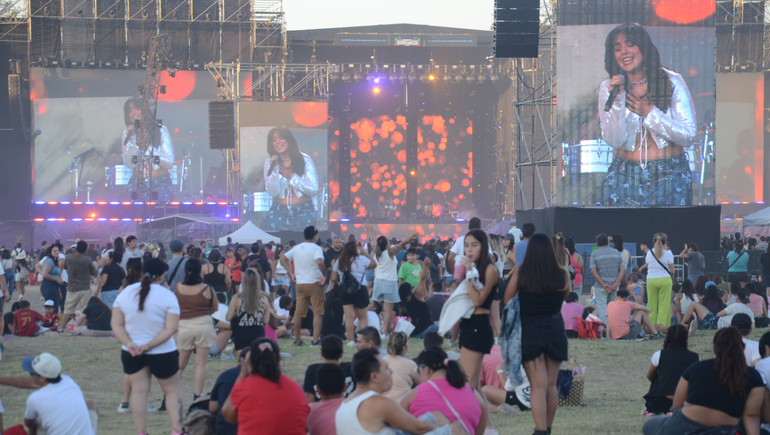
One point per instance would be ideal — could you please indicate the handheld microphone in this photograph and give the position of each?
(613, 94)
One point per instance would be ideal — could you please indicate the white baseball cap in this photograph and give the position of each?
(49, 303)
(45, 365)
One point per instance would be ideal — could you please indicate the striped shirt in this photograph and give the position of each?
(607, 262)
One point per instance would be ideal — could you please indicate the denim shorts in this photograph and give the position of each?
(386, 291)
(281, 280)
(370, 275)
(709, 322)
(447, 280)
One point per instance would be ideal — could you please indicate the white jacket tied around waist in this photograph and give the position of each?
(459, 305)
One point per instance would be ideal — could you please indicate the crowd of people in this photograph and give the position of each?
(166, 305)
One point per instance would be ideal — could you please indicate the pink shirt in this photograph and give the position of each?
(619, 317)
(463, 400)
(755, 303)
(578, 271)
(320, 421)
(569, 312)
(489, 368)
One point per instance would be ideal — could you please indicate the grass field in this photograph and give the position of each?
(615, 380)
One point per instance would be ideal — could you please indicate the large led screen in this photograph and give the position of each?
(651, 140)
(86, 147)
(284, 164)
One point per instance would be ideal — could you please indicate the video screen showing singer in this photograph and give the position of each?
(291, 179)
(649, 124)
(158, 178)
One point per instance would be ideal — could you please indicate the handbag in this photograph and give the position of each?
(574, 395)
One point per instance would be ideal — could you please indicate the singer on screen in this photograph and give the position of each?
(157, 177)
(649, 124)
(292, 181)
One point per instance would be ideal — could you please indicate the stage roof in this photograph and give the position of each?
(484, 37)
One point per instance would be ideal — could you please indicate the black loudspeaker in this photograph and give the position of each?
(517, 28)
(222, 125)
(18, 115)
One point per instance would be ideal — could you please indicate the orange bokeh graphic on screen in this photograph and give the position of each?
(178, 88)
(684, 11)
(310, 114)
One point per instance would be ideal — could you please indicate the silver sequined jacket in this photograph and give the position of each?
(277, 186)
(676, 125)
(165, 151)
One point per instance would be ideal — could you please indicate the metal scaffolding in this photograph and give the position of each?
(534, 117)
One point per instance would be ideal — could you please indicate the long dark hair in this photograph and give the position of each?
(119, 247)
(484, 260)
(569, 243)
(540, 272)
(738, 247)
(153, 269)
(297, 161)
(134, 271)
(700, 284)
(729, 361)
(267, 362)
(215, 256)
(617, 241)
(687, 289)
(436, 359)
(138, 101)
(659, 86)
(116, 256)
(676, 337)
(348, 256)
(382, 246)
(192, 272)
(96, 301)
(712, 294)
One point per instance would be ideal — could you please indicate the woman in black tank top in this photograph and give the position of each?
(215, 273)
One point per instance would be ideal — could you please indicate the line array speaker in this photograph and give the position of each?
(18, 117)
(517, 28)
(222, 125)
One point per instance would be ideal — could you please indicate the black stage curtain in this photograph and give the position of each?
(205, 41)
(236, 42)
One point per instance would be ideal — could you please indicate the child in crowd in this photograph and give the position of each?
(331, 386)
(8, 319)
(411, 270)
(636, 290)
(25, 321)
(571, 311)
(50, 319)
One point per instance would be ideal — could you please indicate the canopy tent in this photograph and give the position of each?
(758, 219)
(186, 227)
(248, 234)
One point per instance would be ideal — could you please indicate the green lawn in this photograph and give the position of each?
(615, 380)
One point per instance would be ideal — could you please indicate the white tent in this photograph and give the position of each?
(248, 234)
(758, 219)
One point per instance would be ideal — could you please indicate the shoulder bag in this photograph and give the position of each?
(736, 260)
(661, 264)
(451, 408)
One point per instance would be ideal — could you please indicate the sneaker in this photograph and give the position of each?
(506, 409)
(384, 337)
(151, 409)
(124, 407)
(351, 343)
(315, 344)
(300, 343)
(657, 336)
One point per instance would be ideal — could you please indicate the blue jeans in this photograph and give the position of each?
(432, 328)
(693, 277)
(10, 275)
(50, 291)
(603, 297)
(109, 296)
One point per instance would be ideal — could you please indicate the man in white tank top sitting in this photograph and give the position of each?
(366, 412)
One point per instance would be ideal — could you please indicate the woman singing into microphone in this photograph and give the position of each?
(292, 181)
(157, 177)
(649, 125)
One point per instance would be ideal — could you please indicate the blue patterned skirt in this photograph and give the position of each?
(294, 218)
(664, 182)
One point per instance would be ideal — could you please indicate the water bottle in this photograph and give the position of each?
(226, 357)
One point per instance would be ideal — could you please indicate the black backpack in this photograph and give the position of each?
(333, 321)
(435, 273)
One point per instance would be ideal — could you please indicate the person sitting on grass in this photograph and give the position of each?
(25, 322)
(622, 325)
(404, 370)
(50, 318)
(715, 392)
(369, 337)
(744, 324)
(331, 352)
(570, 311)
(666, 367)
(732, 297)
(219, 394)
(684, 297)
(506, 402)
(95, 319)
(8, 319)
(636, 289)
(331, 387)
(704, 311)
(413, 300)
(741, 306)
(444, 388)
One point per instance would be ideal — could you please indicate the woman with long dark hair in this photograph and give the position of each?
(542, 284)
(666, 367)
(95, 319)
(292, 181)
(476, 334)
(578, 264)
(197, 302)
(156, 178)
(722, 391)
(233, 264)
(50, 288)
(145, 317)
(684, 297)
(263, 399)
(111, 278)
(355, 261)
(281, 278)
(119, 248)
(650, 123)
(216, 274)
(443, 381)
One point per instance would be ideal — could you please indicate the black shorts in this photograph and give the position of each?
(476, 334)
(359, 299)
(162, 366)
(499, 290)
(737, 277)
(543, 335)
(245, 335)
(513, 400)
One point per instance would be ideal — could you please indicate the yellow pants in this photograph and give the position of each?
(659, 300)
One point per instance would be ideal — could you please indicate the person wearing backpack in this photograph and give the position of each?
(350, 272)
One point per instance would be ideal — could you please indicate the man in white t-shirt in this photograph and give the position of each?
(744, 324)
(309, 273)
(58, 407)
(726, 315)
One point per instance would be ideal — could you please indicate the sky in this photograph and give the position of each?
(320, 14)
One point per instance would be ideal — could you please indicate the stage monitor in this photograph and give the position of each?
(284, 164)
(86, 118)
(636, 104)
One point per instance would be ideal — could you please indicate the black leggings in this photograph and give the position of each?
(659, 405)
